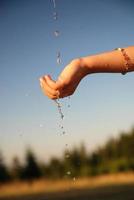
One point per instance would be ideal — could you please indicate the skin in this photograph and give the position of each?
(77, 69)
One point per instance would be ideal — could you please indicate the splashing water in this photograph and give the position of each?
(58, 58)
(56, 33)
(58, 61)
(68, 102)
(59, 109)
(54, 3)
(61, 126)
(55, 15)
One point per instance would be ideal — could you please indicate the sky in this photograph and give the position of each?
(101, 107)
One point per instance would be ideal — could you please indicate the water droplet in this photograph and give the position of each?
(55, 15)
(61, 126)
(62, 116)
(54, 3)
(56, 33)
(68, 173)
(63, 132)
(58, 61)
(68, 103)
(41, 125)
(58, 58)
(59, 109)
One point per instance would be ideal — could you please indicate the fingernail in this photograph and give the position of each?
(41, 80)
(41, 83)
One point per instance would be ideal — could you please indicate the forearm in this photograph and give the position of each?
(108, 62)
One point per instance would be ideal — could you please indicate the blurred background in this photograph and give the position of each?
(98, 121)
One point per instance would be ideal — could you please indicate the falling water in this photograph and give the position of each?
(57, 33)
(58, 58)
(55, 15)
(59, 109)
(58, 61)
(54, 3)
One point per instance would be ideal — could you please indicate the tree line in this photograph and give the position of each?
(117, 155)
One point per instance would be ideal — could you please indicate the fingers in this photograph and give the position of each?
(51, 92)
(54, 89)
(51, 83)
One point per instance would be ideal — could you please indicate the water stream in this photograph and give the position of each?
(57, 33)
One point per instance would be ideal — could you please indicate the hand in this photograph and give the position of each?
(67, 81)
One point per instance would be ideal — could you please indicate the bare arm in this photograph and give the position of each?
(112, 61)
(107, 62)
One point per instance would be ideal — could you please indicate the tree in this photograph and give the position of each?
(4, 174)
(55, 168)
(31, 170)
(94, 162)
(17, 168)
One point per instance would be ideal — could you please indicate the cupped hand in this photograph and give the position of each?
(67, 81)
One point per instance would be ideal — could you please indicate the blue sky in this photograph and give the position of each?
(101, 107)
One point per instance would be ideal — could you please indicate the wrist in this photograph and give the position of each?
(87, 64)
(81, 67)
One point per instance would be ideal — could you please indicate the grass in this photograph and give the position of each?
(97, 188)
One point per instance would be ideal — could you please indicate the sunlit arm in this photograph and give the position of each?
(116, 61)
(109, 62)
